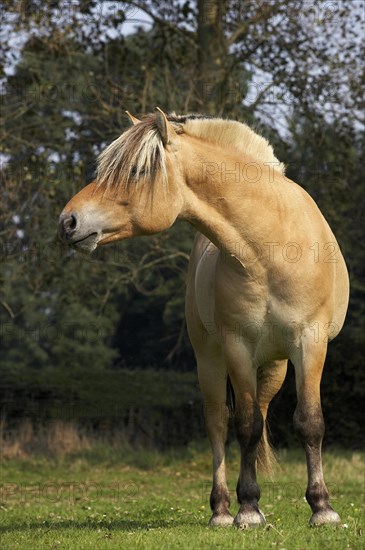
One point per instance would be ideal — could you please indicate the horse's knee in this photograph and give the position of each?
(249, 425)
(216, 418)
(309, 424)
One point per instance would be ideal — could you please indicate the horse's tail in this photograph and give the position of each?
(230, 399)
(266, 458)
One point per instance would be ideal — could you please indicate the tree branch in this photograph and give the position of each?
(186, 34)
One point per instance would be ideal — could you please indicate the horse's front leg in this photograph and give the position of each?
(216, 416)
(213, 383)
(309, 425)
(249, 424)
(249, 428)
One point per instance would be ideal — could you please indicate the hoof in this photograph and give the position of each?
(325, 517)
(248, 519)
(221, 520)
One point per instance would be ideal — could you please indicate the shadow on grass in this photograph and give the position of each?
(113, 525)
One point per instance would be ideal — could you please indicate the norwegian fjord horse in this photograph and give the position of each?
(266, 282)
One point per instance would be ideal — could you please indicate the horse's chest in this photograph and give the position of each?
(226, 297)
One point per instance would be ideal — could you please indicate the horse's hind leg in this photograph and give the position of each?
(212, 376)
(309, 425)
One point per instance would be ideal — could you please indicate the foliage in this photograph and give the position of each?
(282, 66)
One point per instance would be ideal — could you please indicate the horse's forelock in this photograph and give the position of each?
(137, 152)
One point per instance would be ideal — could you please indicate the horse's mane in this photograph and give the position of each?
(139, 150)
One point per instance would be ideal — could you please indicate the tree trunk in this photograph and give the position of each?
(212, 56)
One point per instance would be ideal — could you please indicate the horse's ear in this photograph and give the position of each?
(164, 127)
(133, 118)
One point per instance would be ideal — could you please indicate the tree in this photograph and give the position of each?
(63, 100)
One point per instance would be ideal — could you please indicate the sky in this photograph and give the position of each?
(276, 110)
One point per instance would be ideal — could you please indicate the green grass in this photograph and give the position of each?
(148, 500)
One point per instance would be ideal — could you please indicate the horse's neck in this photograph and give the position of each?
(230, 198)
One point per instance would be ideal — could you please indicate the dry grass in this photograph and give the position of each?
(56, 439)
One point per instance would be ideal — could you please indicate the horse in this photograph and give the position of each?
(266, 283)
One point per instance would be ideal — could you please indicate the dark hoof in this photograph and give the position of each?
(324, 517)
(221, 520)
(248, 519)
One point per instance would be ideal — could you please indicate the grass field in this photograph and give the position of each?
(109, 499)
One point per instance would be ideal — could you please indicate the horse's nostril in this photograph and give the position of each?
(69, 224)
(72, 222)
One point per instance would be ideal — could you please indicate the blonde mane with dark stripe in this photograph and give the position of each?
(139, 151)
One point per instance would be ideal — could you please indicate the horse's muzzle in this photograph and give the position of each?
(71, 232)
